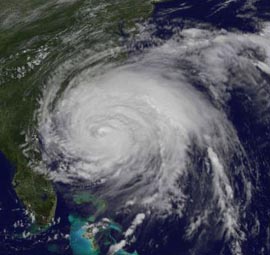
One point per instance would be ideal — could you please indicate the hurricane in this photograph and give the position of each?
(151, 134)
(131, 131)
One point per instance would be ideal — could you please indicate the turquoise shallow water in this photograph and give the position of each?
(82, 245)
(54, 45)
(79, 244)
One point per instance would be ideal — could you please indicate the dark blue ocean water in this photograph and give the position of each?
(251, 124)
(8, 198)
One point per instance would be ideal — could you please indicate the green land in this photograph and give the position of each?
(31, 47)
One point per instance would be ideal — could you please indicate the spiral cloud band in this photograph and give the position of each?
(130, 131)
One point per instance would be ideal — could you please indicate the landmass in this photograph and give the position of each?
(30, 47)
